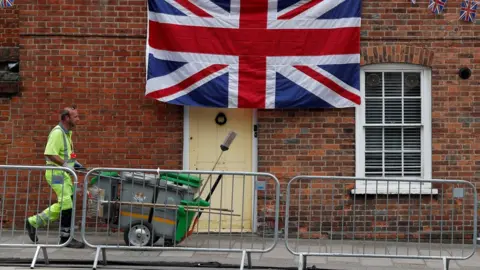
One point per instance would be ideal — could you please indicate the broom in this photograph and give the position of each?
(224, 147)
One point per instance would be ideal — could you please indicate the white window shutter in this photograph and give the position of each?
(394, 128)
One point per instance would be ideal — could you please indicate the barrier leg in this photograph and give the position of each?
(45, 255)
(35, 257)
(97, 254)
(446, 263)
(249, 257)
(104, 256)
(300, 262)
(242, 263)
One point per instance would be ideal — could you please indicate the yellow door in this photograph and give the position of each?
(206, 136)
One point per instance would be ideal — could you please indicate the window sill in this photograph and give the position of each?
(383, 191)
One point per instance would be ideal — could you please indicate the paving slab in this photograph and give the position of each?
(177, 254)
(238, 255)
(279, 253)
(347, 260)
(376, 262)
(408, 261)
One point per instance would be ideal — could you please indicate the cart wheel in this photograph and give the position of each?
(167, 242)
(139, 234)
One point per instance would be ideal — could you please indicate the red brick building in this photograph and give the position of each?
(418, 116)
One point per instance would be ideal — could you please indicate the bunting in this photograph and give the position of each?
(437, 6)
(468, 10)
(6, 3)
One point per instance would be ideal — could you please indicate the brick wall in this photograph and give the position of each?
(326, 209)
(322, 142)
(91, 54)
(9, 28)
(94, 51)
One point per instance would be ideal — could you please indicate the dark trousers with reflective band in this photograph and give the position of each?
(61, 183)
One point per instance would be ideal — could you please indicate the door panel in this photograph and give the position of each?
(206, 136)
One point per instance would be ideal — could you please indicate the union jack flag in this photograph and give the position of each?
(6, 3)
(468, 10)
(437, 6)
(254, 53)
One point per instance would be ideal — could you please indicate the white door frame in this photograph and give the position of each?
(186, 156)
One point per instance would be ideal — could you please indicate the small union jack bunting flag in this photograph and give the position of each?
(6, 3)
(468, 10)
(437, 6)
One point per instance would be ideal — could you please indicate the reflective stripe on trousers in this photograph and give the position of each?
(61, 184)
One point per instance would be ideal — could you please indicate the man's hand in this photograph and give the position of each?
(66, 165)
(56, 159)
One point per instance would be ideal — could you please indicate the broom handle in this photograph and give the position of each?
(208, 200)
(159, 206)
(210, 176)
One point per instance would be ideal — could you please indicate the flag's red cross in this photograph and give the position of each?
(438, 3)
(469, 10)
(253, 42)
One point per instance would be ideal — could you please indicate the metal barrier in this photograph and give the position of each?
(380, 218)
(205, 211)
(26, 193)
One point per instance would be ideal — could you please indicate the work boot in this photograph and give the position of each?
(73, 244)
(32, 232)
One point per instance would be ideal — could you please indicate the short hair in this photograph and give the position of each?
(66, 111)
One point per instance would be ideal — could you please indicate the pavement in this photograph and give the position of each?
(278, 258)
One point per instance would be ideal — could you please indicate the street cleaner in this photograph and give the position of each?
(59, 152)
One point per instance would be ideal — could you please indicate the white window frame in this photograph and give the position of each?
(376, 187)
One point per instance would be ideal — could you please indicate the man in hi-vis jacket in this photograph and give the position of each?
(59, 151)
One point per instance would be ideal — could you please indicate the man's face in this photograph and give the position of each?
(74, 118)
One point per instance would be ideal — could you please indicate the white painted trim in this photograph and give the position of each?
(427, 123)
(255, 142)
(254, 169)
(147, 45)
(371, 187)
(376, 187)
(359, 138)
(186, 138)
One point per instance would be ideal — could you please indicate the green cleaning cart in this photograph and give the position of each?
(148, 207)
